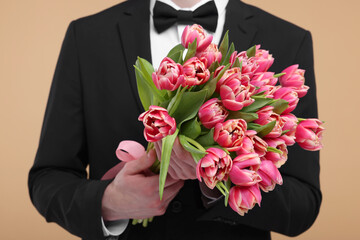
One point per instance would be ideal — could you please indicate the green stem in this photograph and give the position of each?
(195, 143)
(224, 187)
(145, 222)
(149, 146)
(221, 190)
(134, 221)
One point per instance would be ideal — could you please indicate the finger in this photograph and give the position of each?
(158, 149)
(140, 164)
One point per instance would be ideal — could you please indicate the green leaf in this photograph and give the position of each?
(279, 75)
(284, 132)
(175, 101)
(226, 59)
(248, 117)
(224, 46)
(145, 84)
(259, 103)
(176, 49)
(266, 129)
(275, 150)
(207, 139)
(145, 93)
(237, 63)
(251, 51)
(146, 68)
(177, 57)
(221, 73)
(280, 105)
(214, 66)
(262, 130)
(191, 50)
(189, 106)
(191, 128)
(210, 87)
(167, 144)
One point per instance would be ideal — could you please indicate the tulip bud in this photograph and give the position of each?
(212, 112)
(214, 167)
(243, 171)
(294, 78)
(230, 134)
(270, 176)
(309, 134)
(242, 199)
(195, 72)
(168, 76)
(196, 31)
(158, 123)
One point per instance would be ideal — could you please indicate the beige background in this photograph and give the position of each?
(31, 32)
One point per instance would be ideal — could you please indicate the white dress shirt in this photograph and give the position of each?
(161, 44)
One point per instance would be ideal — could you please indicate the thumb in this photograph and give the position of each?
(138, 165)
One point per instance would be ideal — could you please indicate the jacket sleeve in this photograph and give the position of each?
(57, 182)
(293, 207)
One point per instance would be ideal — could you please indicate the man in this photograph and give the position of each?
(93, 105)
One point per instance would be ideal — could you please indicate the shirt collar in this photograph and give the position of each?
(220, 5)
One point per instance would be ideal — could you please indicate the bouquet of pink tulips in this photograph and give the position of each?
(228, 111)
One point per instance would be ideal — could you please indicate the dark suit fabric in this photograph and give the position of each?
(93, 105)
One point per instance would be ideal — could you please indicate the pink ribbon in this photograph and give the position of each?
(126, 151)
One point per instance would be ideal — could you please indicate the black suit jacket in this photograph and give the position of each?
(93, 105)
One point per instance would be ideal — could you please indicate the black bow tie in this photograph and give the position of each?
(165, 16)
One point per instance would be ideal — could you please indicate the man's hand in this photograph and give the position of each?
(134, 193)
(182, 165)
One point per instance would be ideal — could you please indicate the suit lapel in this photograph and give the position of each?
(135, 38)
(238, 21)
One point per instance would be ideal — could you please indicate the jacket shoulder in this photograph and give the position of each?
(104, 18)
(275, 24)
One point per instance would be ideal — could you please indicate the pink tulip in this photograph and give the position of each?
(230, 134)
(228, 75)
(294, 78)
(263, 59)
(235, 89)
(212, 112)
(214, 167)
(243, 171)
(267, 90)
(249, 65)
(195, 72)
(253, 144)
(278, 159)
(270, 176)
(266, 115)
(288, 95)
(290, 126)
(218, 70)
(158, 123)
(211, 54)
(236, 96)
(242, 199)
(169, 75)
(309, 134)
(262, 79)
(196, 31)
